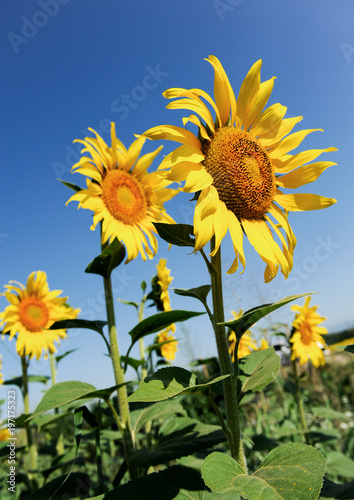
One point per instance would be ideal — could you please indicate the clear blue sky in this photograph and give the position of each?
(71, 64)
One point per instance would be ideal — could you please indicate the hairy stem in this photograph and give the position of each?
(230, 383)
(30, 442)
(300, 404)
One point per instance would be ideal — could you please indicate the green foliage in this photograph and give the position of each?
(110, 258)
(258, 369)
(176, 234)
(169, 382)
(289, 472)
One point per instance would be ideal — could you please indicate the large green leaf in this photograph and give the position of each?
(250, 317)
(65, 487)
(66, 392)
(338, 491)
(79, 323)
(289, 472)
(167, 383)
(335, 338)
(347, 348)
(258, 369)
(176, 234)
(43, 379)
(200, 293)
(176, 482)
(179, 437)
(109, 259)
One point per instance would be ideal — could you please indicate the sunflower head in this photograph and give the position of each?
(239, 163)
(306, 341)
(122, 194)
(246, 344)
(32, 311)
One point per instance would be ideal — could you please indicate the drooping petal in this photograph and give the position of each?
(298, 202)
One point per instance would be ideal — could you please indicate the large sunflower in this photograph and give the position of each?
(122, 194)
(306, 338)
(239, 164)
(32, 310)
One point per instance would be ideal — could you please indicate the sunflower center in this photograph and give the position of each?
(124, 197)
(306, 333)
(242, 172)
(33, 314)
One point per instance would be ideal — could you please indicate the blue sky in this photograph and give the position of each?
(68, 65)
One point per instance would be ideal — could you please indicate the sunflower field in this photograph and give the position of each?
(270, 415)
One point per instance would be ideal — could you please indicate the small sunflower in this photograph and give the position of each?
(5, 434)
(246, 345)
(32, 310)
(168, 350)
(239, 164)
(1, 375)
(306, 338)
(122, 194)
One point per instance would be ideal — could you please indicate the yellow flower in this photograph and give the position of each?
(263, 345)
(32, 310)
(1, 375)
(168, 350)
(164, 280)
(239, 165)
(5, 434)
(246, 344)
(122, 194)
(307, 335)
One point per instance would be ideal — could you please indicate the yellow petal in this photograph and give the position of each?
(268, 122)
(303, 175)
(171, 133)
(207, 203)
(297, 202)
(248, 91)
(133, 153)
(261, 99)
(185, 153)
(221, 225)
(195, 120)
(223, 92)
(290, 142)
(270, 141)
(282, 167)
(145, 161)
(197, 180)
(236, 234)
(195, 105)
(203, 230)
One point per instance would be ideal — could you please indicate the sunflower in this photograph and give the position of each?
(168, 350)
(239, 164)
(1, 375)
(5, 434)
(32, 310)
(122, 194)
(306, 337)
(246, 345)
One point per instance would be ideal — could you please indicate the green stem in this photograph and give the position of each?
(53, 370)
(30, 442)
(230, 383)
(60, 441)
(141, 341)
(123, 405)
(300, 404)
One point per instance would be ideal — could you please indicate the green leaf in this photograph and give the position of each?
(347, 348)
(176, 482)
(289, 472)
(134, 363)
(129, 303)
(177, 234)
(109, 259)
(339, 464)
(167, 383)
(179, 437)
(159, 321)
(79, 323)
(66, 392)
(200, 293)
(325, 412)
(250, 317)
(66, 489)
(335, 338)
(70, 185)
(154, 412)
(31, 378)
(59, 358)
(258, 369)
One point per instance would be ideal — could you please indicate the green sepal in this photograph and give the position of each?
(70, 185)
(109, 259)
